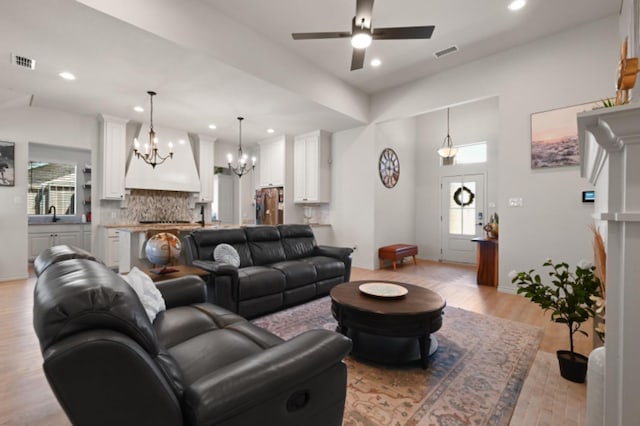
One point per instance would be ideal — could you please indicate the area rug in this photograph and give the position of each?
(474, 378)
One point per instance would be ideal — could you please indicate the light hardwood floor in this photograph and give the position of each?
(26, 398)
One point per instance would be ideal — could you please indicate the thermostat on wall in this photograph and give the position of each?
(588, 196)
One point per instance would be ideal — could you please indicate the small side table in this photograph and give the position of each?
(182, 270)
(487, 261)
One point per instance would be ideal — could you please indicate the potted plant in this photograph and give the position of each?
(570, 298)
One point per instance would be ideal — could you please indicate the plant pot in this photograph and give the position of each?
(573, 366)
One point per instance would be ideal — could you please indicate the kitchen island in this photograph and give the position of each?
(132, 238)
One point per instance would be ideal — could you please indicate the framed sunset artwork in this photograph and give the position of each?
(554, 136)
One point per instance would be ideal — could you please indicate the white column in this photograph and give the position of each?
(611, 137)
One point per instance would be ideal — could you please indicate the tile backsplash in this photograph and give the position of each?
(149, 205)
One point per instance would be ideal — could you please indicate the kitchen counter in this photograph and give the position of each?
(143, 227)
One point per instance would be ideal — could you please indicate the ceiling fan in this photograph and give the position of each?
(361, 33)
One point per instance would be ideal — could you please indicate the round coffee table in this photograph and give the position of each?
(388, 329)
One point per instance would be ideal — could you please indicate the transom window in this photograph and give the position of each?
(471, 153)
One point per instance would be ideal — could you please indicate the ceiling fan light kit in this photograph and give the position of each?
(361, 40)
(362, 33)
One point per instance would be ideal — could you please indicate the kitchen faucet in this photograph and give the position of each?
(54, 219)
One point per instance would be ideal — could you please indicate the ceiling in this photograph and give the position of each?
(117, 60)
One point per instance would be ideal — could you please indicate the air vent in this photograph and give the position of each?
(444, 52)
(23, 62)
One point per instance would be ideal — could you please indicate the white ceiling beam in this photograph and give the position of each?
(196, 25)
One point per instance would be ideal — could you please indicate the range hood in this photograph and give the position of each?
(175, 174)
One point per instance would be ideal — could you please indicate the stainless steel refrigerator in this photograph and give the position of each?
(269, 206)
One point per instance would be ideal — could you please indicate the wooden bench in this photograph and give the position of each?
(397, 252)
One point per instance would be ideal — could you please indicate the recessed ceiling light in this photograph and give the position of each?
(67, 75)
(375, 62)
(517, 4)
(138, 108)
(270, 130)
(181, 141)
(212, 126)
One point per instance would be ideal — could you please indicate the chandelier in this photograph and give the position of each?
(151, 155)
(241, 167)
(447, 151)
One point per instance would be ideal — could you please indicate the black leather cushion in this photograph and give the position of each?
(297, 240)
(265, 245)
(256, 281)
(57, 254)
(79, 294)
(220, 345)
(326, 267)
(296, 272)
(206, 240)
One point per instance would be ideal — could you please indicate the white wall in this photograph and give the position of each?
(24, 125)
(568, 68)
(469, 123)
(395, 207)
(353, 176)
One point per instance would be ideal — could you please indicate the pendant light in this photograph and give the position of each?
(151, 155)
(447, 151)
(241, 168)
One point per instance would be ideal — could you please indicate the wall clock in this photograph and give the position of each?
(389, 168)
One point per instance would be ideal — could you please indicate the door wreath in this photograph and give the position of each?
(458, 196)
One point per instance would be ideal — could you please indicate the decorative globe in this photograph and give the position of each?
(162, 248)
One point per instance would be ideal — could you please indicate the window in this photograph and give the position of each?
(462, 208)
(51, 184)
(471, 153)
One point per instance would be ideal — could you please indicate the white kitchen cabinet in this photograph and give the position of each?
(205, 167)
(86, 237)
(272, 162)
(311, 168)
(41, 237)
(113, 131)
(112, 252)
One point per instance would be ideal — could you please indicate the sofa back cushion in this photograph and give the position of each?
(58, 254)
(265, 245)
(297, 240)
(206, 241)
(79, 294)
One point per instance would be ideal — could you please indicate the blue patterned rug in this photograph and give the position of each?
(474, 378)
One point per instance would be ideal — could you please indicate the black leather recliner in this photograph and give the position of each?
(197, 363)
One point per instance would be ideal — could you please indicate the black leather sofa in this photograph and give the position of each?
(280, 266)
(196, 364)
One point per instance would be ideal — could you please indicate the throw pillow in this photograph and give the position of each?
(227, 254)
(147, 292)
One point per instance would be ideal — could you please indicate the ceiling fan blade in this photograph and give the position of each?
(399, 33)
(357, 59)
(331, 34)
(364, 10)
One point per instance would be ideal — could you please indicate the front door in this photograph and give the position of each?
(462, 216)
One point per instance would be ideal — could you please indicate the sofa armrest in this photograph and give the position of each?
(248, 382)
(216, 267)
(183, 291)
(330, 251)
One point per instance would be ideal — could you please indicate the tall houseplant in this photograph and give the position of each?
(570, 298)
